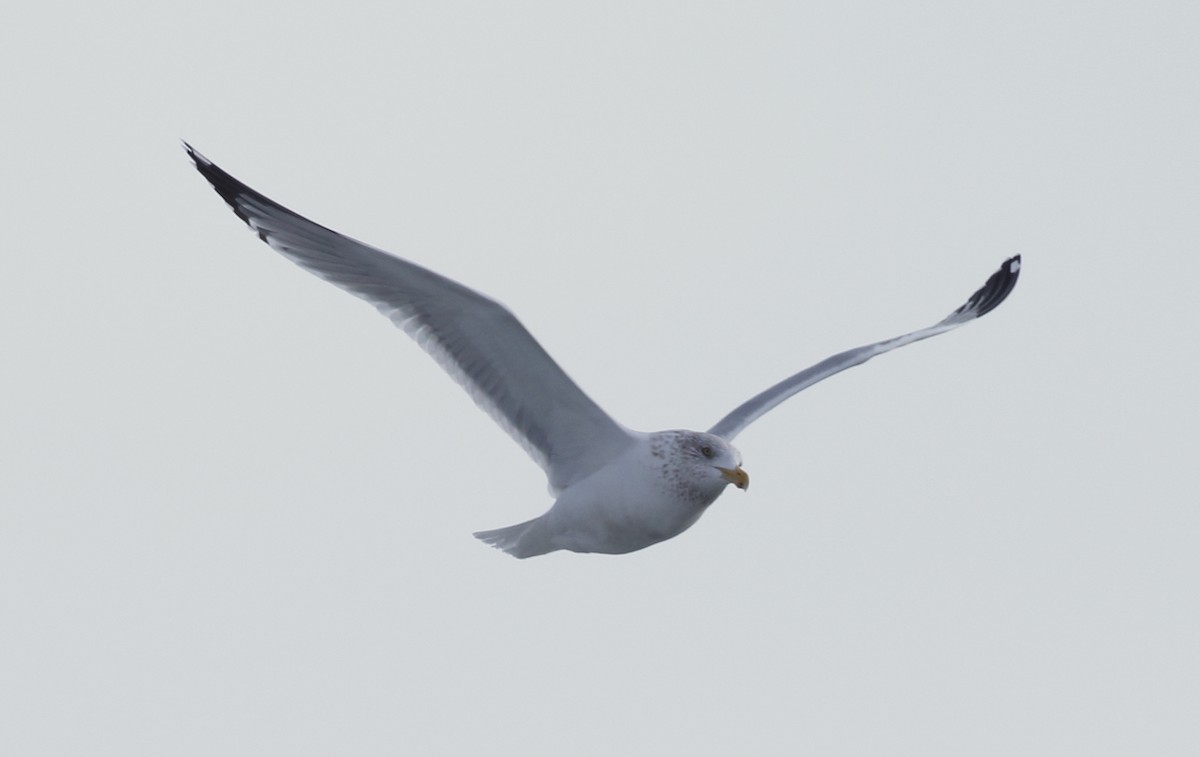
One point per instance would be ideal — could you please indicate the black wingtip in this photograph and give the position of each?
(228, 187)
(197, 158)
(992, 293)
(233, 192)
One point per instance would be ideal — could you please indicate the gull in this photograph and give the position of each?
(616, 490)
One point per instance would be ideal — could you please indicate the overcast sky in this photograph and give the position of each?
(236, 503)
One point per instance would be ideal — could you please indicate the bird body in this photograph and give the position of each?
(655, 490)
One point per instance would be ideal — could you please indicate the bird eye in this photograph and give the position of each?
(706, 451)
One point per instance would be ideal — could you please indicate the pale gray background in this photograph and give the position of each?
(236, 504)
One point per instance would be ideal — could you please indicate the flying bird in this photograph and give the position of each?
(616, 490)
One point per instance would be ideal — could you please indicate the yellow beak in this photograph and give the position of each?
(736, 476)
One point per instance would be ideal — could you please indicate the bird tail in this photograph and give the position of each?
(523, 540)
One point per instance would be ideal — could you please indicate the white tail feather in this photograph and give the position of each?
(523, 540)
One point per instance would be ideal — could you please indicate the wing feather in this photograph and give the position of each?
(475, 339)
(986, 299)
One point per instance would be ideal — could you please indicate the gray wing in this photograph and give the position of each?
(990, 295)
(476, 340)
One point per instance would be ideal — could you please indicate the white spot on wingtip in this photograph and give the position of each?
(196, 156)
(1014, 266)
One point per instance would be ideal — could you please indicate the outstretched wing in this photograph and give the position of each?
(476, 340)
(989, 296)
